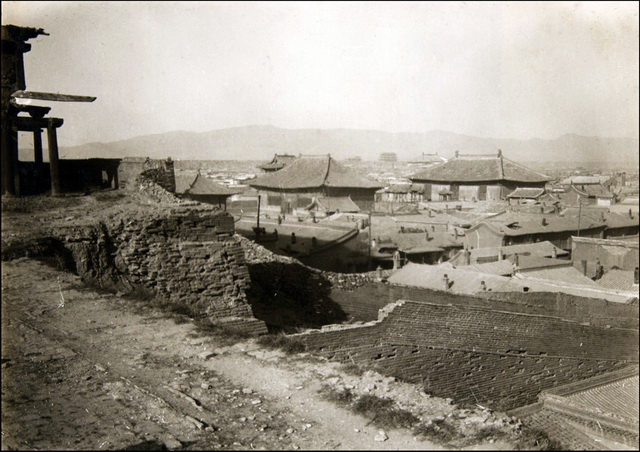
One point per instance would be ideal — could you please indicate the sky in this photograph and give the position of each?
(495, 70)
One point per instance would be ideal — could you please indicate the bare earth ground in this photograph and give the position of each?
(83, 369)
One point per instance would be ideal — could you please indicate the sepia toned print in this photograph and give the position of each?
(320, 225)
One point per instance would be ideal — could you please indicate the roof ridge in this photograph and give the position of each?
(326, 174)
(524, 167)
(193, 183)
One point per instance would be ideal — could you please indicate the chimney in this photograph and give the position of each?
(446, 208)
(457, 153)
(426, 233)
(483, 286)
(459, 207)
(455, 233)
(379, 272)
(544, 221)
(584, 267)
(499, 152)
(630, 214)
(541, 209)
(516, 260)
(430, 213)
(500, 255)
(554, 253)
(445, 282)
(433, 228)
(467, 257)
(636, 276)
(402, 229)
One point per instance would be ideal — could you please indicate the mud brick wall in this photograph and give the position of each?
(184, 255)
(188, 257)
(477, 355)
(364, 302)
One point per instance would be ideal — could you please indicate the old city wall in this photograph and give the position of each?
(477, 355)
(363, 303)
(160, 172)
(184, 255)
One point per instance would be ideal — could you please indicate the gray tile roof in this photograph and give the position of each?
(479, 169)
(314, 173)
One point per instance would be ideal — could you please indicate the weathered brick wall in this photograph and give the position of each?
(477, 355)
(363, 303)
(185, 255)
(160, 172)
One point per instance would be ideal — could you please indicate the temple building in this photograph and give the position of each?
(310, 178)
(476, 178)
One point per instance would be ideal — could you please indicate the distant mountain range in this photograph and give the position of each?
(261, 142)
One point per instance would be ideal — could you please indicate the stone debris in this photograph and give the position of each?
(171, 443)
(381, 436)
(206, 355)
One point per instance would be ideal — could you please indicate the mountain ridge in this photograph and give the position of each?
(260, 142)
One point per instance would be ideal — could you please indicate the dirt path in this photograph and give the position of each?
(82, 371)
(88, 370)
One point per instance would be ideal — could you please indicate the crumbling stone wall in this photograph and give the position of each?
(184, 255)
(160, 172)
(477, 355)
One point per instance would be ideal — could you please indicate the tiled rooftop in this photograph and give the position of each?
(618, 280)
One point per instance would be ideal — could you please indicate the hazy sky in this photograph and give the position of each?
(503, 70)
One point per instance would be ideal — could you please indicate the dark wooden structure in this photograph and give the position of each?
(14, 46)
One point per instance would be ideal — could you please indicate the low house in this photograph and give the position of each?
(421, 247)
(586, 194)
(204, 190)
(620, 254)
(297, 184)
(493, 254)
(278, 162)
(520, 195)
(476, 178)
(531, 229)
(446, 277)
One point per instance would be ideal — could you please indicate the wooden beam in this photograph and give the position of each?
(20, 94)
(34, 111)
(28, 124)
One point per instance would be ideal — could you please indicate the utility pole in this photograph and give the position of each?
(579, 213)
(369, 259)
(258, 220)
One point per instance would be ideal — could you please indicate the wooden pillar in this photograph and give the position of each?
(54, 163)
(8, 184)
(37, 146)
(15, 159)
